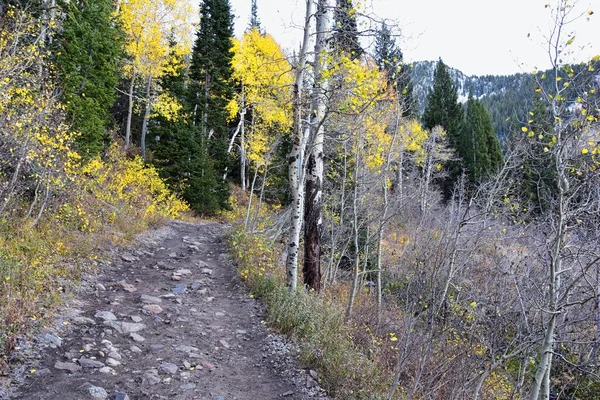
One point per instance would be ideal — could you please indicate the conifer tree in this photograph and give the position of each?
(477, 144)
(254, 19)
(211, 84)
(389, 58)
(345, 31)
(89, 48)
(444, 110)
(442, 107)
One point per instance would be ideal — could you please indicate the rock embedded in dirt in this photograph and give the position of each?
(83, 321)
(126, 327)
(179, 289)
(135, 349)
(207, 365)
(105, 315)
(67, 366)
(129, 257)
(187, 349)
(107, 371)
(137, 338)
(90, 364)
(167, 368)
(111, 362)
(188, 386)
(120, 396)
(154, 309)
(207, 271)
(53, 340)
(97, 393)
(183, 272)
(150, 299)
(136, 318)
(151, 378)
(128, 287)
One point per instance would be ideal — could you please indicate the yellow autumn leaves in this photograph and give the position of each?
(260, 66)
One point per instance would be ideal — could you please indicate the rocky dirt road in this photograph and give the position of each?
(168, 319)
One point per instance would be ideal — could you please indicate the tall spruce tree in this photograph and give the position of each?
(88, 52)
(444, 110)
(211, 85)
(345, 30)
(389, 58)
(180, 151)
(477, 144)
(442, 107)
(254, 19)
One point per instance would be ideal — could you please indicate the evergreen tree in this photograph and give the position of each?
(477, 144)
(389, 58)
(345, 31)
(211, 84)
(444, 110)
(254, 20)
(180, 151)
(442, 105)
(89, 48)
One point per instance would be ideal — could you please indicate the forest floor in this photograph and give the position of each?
(166, 319)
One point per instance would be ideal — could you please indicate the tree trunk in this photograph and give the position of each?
(129, 111)
(295, 161)
(354, 288)
(243, 141)
(314, 177)
(250, 200)
(146, 115)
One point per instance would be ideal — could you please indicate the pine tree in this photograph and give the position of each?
(389, 58)
(254, 20)
(180, 152)
(345, 31)
(444, 110)
(211, 86)
(442, 107)
(88, 51)
(478, 146)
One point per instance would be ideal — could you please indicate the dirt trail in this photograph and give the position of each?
(167, 320)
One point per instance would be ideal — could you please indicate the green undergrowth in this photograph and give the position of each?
(314, 322)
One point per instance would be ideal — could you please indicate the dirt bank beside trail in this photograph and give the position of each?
(167, 319)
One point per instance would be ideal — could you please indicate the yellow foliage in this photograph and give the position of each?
(260, 66)
(149, 25)
(166, 106)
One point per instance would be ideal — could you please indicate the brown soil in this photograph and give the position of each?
(208, 342)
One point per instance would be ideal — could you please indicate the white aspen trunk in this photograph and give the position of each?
(261, 196)
(243, 142)
(146, 115)
(295, 164)
(250, 200)
(129, 111)
(314, 176)
(354, 288)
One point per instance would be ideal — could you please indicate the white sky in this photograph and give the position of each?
(476, 36)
